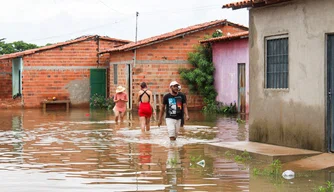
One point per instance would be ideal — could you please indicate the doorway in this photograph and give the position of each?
(98, 82)
(241, 88)
(16, 77)
(330, 90)
(129, 84)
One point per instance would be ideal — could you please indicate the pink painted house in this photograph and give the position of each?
(230, 58)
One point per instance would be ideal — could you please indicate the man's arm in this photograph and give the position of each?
(185, 109)
(151, 100)
(152, 105)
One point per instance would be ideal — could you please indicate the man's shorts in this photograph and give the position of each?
(173, 127)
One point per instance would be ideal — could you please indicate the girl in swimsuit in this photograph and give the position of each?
(120, 99)
(145, 100)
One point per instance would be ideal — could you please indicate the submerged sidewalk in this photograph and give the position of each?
(290, 157)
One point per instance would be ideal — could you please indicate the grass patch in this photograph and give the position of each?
(274, 170)
(329, 187)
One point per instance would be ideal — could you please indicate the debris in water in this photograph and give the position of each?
(288, 174)
(201, 163)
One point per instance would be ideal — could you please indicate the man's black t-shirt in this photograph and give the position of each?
(174, 105)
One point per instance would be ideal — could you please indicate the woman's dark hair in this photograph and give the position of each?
(143, 85)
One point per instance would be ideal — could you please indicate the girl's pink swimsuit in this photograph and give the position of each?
(121, 105)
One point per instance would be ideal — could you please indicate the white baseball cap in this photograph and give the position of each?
(173, 83)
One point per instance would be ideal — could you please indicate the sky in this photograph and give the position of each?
(51, 21)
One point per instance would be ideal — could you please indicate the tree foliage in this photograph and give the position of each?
(200, 77)
(17, 46)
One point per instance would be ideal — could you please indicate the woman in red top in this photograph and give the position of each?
(145, 100)
(120, 99)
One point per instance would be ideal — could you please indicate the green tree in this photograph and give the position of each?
(17, 46)
(200, 77)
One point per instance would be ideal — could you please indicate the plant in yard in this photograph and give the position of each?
(200, 78)
(328, 188)
(275, 170)
(243, 157)
(228, 154)
(172, 162)
(240, 121)
(195, 159)
(227, 109)
(256, 171)
(100, 102)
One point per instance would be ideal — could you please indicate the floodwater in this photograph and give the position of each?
(84, 150)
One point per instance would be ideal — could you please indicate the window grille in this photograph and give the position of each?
(115, 74)
(277, 63)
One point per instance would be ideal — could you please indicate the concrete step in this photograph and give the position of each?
(317, 162)
(264, 152)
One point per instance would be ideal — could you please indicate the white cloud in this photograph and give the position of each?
(51, 21)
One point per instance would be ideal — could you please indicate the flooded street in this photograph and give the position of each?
(84, 150)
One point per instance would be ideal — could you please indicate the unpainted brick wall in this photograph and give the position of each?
(67, 64)
(5, 79)
(159, 64)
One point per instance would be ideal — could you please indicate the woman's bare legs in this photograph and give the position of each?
(147, 123)
(116, 116)
(142, 123)
(122, 114)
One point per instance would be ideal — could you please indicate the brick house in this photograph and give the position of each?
(291, 59)
(156, 60)
(61, 70)
(230, 58)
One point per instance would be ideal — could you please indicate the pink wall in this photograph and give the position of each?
(226, 56)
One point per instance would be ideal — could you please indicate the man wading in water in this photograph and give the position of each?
(175, 105)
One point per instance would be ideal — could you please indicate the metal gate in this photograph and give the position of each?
(98, 82)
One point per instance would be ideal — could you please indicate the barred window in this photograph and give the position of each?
(277, 63)
(115, 74)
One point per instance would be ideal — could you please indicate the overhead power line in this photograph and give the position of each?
(128, 17)
(110, 7)
(82, 30)
(185, 9)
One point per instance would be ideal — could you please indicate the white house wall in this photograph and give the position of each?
(293, 117)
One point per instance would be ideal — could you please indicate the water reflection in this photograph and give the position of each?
(173, 167)
(83, 150)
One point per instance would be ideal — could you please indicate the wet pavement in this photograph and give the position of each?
(84, 150)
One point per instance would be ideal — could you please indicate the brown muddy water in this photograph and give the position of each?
(83, 150)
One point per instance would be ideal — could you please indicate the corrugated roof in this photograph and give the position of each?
(240, 35)
(82, 38)
(172, 35)
(252, 3)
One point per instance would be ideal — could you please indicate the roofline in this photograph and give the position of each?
(252, 3)
(114, 39)
(242, 35)
(138, 45)
(170, 38)
(60, 44)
